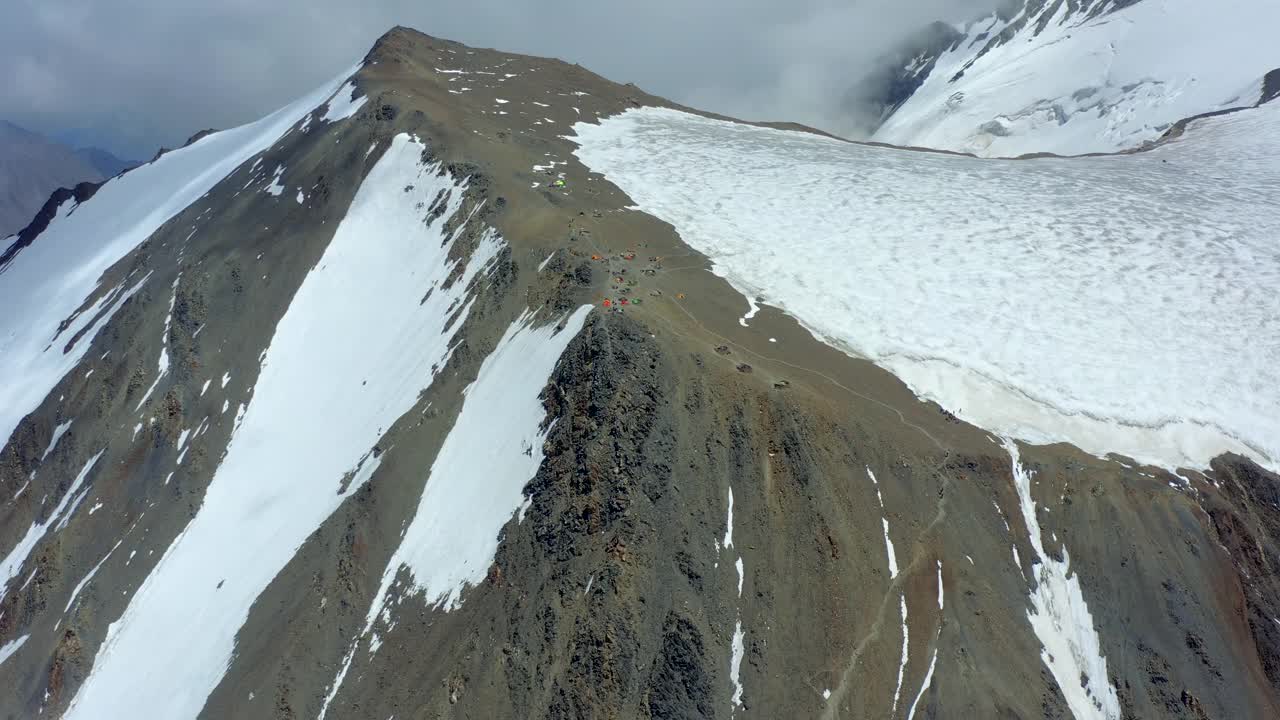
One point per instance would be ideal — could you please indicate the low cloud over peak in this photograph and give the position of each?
(151, 72)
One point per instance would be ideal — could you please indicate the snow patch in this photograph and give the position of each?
(477, 481)
(476, 484)
(343, 103)
(738, 650)
(1061, 619)
(752, 309)
(933, 661)
(8, 649)
(13, 561)
(58, 432)
(888, 545)
(902, 665)
(737, 643)
(75, 593)
(276, 188)
(888, 542)
(728, 528)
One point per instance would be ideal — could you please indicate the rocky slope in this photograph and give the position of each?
(328, 416)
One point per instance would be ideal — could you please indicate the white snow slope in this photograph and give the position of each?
(1124, 303)
(59, 272)
(477, 481)
(335, 375)
(1090, 85)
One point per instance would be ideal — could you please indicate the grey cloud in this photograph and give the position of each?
(131, 74)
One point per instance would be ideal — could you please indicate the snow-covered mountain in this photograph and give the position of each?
(104, 161)
(474, 384)
(1071, 77)
(32, 166)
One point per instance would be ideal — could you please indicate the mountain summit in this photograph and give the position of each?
(473, 384)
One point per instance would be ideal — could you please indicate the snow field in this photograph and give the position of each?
(1123, 303)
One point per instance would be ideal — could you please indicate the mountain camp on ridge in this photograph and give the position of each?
(473, 384)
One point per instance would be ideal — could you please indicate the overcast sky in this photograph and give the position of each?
(133, 74)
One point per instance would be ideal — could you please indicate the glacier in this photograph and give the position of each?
(1121, 303)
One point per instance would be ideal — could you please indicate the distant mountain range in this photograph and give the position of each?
(32, 166)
